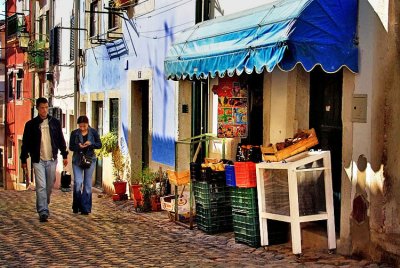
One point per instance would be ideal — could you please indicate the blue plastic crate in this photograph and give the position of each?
(230, 175)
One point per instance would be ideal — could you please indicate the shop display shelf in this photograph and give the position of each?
(296, 191)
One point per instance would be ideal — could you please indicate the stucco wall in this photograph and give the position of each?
(378, 235)
(148, 39)
(385, 225)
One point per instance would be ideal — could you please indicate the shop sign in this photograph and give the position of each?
(232, 108)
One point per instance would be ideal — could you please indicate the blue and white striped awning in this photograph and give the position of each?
(283, 33)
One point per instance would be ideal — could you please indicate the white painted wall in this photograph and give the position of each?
(226, 7)
(64, 76)
(278, 115)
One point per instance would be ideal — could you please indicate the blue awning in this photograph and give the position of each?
(283, 33)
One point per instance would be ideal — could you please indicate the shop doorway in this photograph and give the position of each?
(139, 136)
(200, 99)
(254, 84)
(326, 119)
(97, 123)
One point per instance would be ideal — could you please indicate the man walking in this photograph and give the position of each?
(41, 141)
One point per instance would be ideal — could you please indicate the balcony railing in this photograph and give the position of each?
(15, 25)
(38, 53)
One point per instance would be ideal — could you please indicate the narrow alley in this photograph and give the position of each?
(116, 236)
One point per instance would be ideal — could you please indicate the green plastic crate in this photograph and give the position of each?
(213, 211)
(250, 222)
(214, 229)
(211, 193)
(244, 198)
(253, 241)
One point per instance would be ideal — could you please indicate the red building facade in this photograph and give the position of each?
(18, 90)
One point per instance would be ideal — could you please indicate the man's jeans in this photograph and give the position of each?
(82, 196)
(45, 176)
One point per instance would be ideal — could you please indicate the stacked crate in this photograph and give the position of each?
(245, 208)
(213, 202)
(245, 216)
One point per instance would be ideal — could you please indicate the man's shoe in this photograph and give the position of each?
(75, 210)
(43, 218)
(84, 213)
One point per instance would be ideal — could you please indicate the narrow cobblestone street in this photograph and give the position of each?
(116, 236)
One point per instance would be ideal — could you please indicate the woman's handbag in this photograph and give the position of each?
(65, 179)
(84, 161)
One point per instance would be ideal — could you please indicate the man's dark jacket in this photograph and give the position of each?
(33, 137)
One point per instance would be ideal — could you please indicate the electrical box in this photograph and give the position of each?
(359, 108)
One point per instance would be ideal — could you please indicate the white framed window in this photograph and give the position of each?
(94, 22)
(19, 89)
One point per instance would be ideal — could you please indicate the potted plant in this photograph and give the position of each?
(148, 187)
(136, 194)
(110, 146)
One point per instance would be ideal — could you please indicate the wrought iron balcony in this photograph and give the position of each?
(15, 25)
(38, 53)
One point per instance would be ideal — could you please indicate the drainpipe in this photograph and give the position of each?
(5, 100)
(76, 59)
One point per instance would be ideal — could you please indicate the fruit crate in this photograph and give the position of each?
(211, 193)
(212, 176)
(272, 154)
(230, 175)
(195, 171)
(244, 199)
(245, 174)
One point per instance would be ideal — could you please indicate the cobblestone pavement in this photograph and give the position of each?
(116, 236)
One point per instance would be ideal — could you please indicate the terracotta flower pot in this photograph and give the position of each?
(155, 203)
(120, 187)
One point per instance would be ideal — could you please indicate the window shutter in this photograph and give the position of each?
(72, 40)
(55, 45)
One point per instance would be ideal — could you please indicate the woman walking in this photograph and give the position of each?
(83, 141)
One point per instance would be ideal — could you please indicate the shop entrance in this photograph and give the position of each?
(97, 123)
(139, 136)
(326, 118)
(199, 114)
(254, 83)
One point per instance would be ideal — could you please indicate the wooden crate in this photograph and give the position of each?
(178, 178)
(271, 154)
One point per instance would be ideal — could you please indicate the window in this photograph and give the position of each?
(12, 25)
(139, 7)
(72, 123)
(55, 45)
(40, 28)
(94, 18)
(10, 149)
(10, 86)
(64, 116)
(113, 21)
(19, 89)
(82, 107)
(47, 25)
(114, 114)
